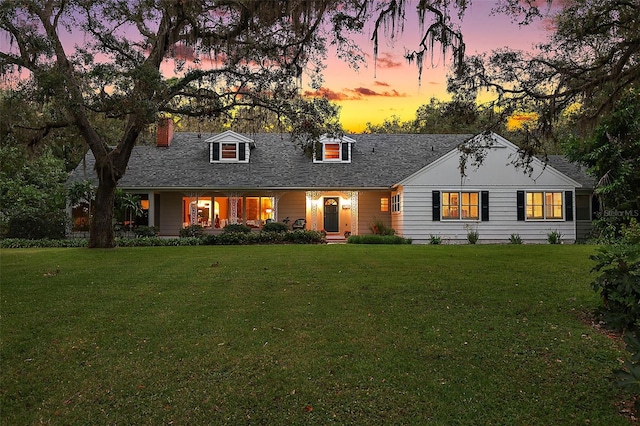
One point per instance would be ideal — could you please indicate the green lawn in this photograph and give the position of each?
(282, 335)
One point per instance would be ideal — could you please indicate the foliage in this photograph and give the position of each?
(618, 284)
(589, 60)
(378, 227)
(377, 239)
(629, 375)
(32, 197)
(435, 239)
(611, 156)
(554, 237)
(236, 228)
(515, 239)
(192, 231)
(472, 234)
(275, 227)
(631, 232)
(146, 231)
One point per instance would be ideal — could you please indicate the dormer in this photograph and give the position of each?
(230, 147)
(333, 150)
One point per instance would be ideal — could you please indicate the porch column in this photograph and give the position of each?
(233, 206)
(354, 211)
(151, 213)
(312, 197)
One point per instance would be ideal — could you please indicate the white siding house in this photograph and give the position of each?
(411, 182)
(495, 192)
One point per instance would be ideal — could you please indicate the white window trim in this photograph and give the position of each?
(396, 205)
(236, 159)
(333, 160)
(544, 205)
(460, 218)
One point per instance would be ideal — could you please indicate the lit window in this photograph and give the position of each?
(460, 206)
(331, 151)
(229, 151)
(544, 205)
(384, 204)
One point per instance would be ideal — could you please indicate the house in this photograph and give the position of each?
(410, 182)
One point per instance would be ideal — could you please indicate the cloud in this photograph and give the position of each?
(380, 83)
(361, 92)
(326, 93)
(355, 94)
(387, 60)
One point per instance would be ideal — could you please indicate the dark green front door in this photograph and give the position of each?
(331, 214)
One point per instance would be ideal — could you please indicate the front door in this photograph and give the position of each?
(331, 214)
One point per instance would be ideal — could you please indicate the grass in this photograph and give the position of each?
(344, 334)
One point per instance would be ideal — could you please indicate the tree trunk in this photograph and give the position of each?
(101, 232)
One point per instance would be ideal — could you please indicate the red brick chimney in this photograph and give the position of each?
(165, 132)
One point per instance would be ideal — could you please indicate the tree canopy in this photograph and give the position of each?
(590, 60)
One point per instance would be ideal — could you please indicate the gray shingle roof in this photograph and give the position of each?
(377, 161)
(573, 170)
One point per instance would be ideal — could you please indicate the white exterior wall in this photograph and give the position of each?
(497, 176)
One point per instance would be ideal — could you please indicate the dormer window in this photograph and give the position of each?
(229, 147)
(333, 150)
(229, 151)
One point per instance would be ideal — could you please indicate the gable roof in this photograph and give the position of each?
(378, 161)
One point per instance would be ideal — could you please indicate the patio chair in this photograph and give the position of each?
(299, 224)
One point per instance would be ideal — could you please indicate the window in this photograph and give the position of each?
(229, 151)
(544, 205)
(460, 206)
(395, 203)
(384, 204)
(332, 151)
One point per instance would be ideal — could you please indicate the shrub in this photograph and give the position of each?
(515, 239)
(554, 237)
(305, 237)
(192, 231)
(472, 234)
(377, 239)
(228, 238)
(631, 232)
(618, 284)
(146, 231)
(629, 375)
(36, 227)
(435, 239)
(379, 228)
(275, 227)
(236, 228)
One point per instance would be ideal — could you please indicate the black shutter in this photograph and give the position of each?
(568, 206)
(484, 201)
(216, 151)
(345, 151)
(436, 205)
(520, 205)
(242, 155)
(319, 147)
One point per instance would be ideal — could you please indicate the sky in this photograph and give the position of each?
(392, 88)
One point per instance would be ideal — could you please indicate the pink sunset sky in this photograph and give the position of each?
(373, 94)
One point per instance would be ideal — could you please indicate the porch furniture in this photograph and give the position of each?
(299, 224)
